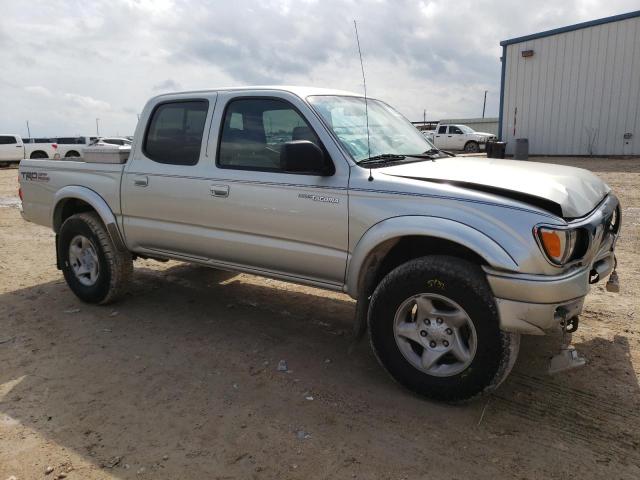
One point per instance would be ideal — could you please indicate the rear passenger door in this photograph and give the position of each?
(164, 186)
(440, 137)
(455, 138)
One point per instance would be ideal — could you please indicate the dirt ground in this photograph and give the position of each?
(180, 379)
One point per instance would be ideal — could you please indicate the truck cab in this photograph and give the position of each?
(11, 149)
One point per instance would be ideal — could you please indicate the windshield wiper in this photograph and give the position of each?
(439, 150)
(382, 158)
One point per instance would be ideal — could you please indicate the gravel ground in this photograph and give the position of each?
(181, 379)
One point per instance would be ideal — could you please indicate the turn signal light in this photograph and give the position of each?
(558, 244)
(551, 242)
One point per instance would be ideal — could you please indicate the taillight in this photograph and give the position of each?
(19, 188)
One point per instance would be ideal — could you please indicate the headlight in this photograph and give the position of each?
(557, 244)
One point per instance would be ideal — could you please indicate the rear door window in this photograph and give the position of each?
(174, 134)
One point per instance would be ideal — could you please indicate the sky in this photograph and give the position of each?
(65, 63)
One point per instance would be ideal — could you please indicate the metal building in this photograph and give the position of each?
(574, 90)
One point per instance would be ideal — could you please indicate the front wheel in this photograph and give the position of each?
(472, 147)
(434, 327)
(92, 266)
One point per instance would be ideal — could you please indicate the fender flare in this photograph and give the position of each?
(421, 225)
(96, 202)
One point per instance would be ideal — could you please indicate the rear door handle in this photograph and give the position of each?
(141, 181)
(220, 190)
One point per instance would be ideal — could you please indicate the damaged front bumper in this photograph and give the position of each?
(537, 304)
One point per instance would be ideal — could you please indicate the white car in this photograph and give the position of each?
(459, 137)
(11, 149)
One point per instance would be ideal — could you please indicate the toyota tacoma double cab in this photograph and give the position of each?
(450, 259)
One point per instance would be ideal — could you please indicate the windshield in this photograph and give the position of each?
(466, 129)
(389, 132)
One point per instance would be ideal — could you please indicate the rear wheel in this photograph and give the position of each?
(93, 268)
(434, 327)
(71, 154)
(472, 147)
(39, 154)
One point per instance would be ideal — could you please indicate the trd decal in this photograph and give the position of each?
(35, 176)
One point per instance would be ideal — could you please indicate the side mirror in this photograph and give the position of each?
(302, 156)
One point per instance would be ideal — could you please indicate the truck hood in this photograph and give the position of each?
(564, 191)
(483, 134)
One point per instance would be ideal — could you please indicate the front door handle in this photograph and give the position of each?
(141, 181)
(220, 190)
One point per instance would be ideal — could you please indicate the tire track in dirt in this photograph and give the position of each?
(598, 423)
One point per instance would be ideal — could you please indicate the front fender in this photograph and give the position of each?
(90, 197)
(395, 228)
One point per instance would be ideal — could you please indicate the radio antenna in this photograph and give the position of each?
(366, 107)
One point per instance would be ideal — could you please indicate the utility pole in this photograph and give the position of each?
(28, 129)
(424, 117)
(97, 128)
(484, 105)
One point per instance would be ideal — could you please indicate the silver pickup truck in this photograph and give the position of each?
(450, 259)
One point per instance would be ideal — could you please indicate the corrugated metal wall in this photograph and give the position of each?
(578, 94)
(487, 124)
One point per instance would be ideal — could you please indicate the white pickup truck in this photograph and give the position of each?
(62, 147)
(459, 137)
(450, 259)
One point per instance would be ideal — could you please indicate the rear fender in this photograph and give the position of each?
(76, 192)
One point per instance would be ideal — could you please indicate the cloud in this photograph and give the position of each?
(167, 85)
(87, 102)
(39, 90)
(111, 56)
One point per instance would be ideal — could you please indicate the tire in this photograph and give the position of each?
(72, 154)
(112, 268)
(461, 287)
(471, 147)
(39, 154)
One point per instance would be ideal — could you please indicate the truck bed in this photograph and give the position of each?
(42, 181)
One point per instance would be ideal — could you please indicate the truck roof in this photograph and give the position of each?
(299, 91)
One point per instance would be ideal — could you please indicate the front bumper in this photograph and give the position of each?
(536, 304)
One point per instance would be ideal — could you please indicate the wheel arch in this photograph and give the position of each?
(394, 241)
(76, 199)
(39, 154)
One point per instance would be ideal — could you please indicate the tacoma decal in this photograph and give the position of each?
(318, 198)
